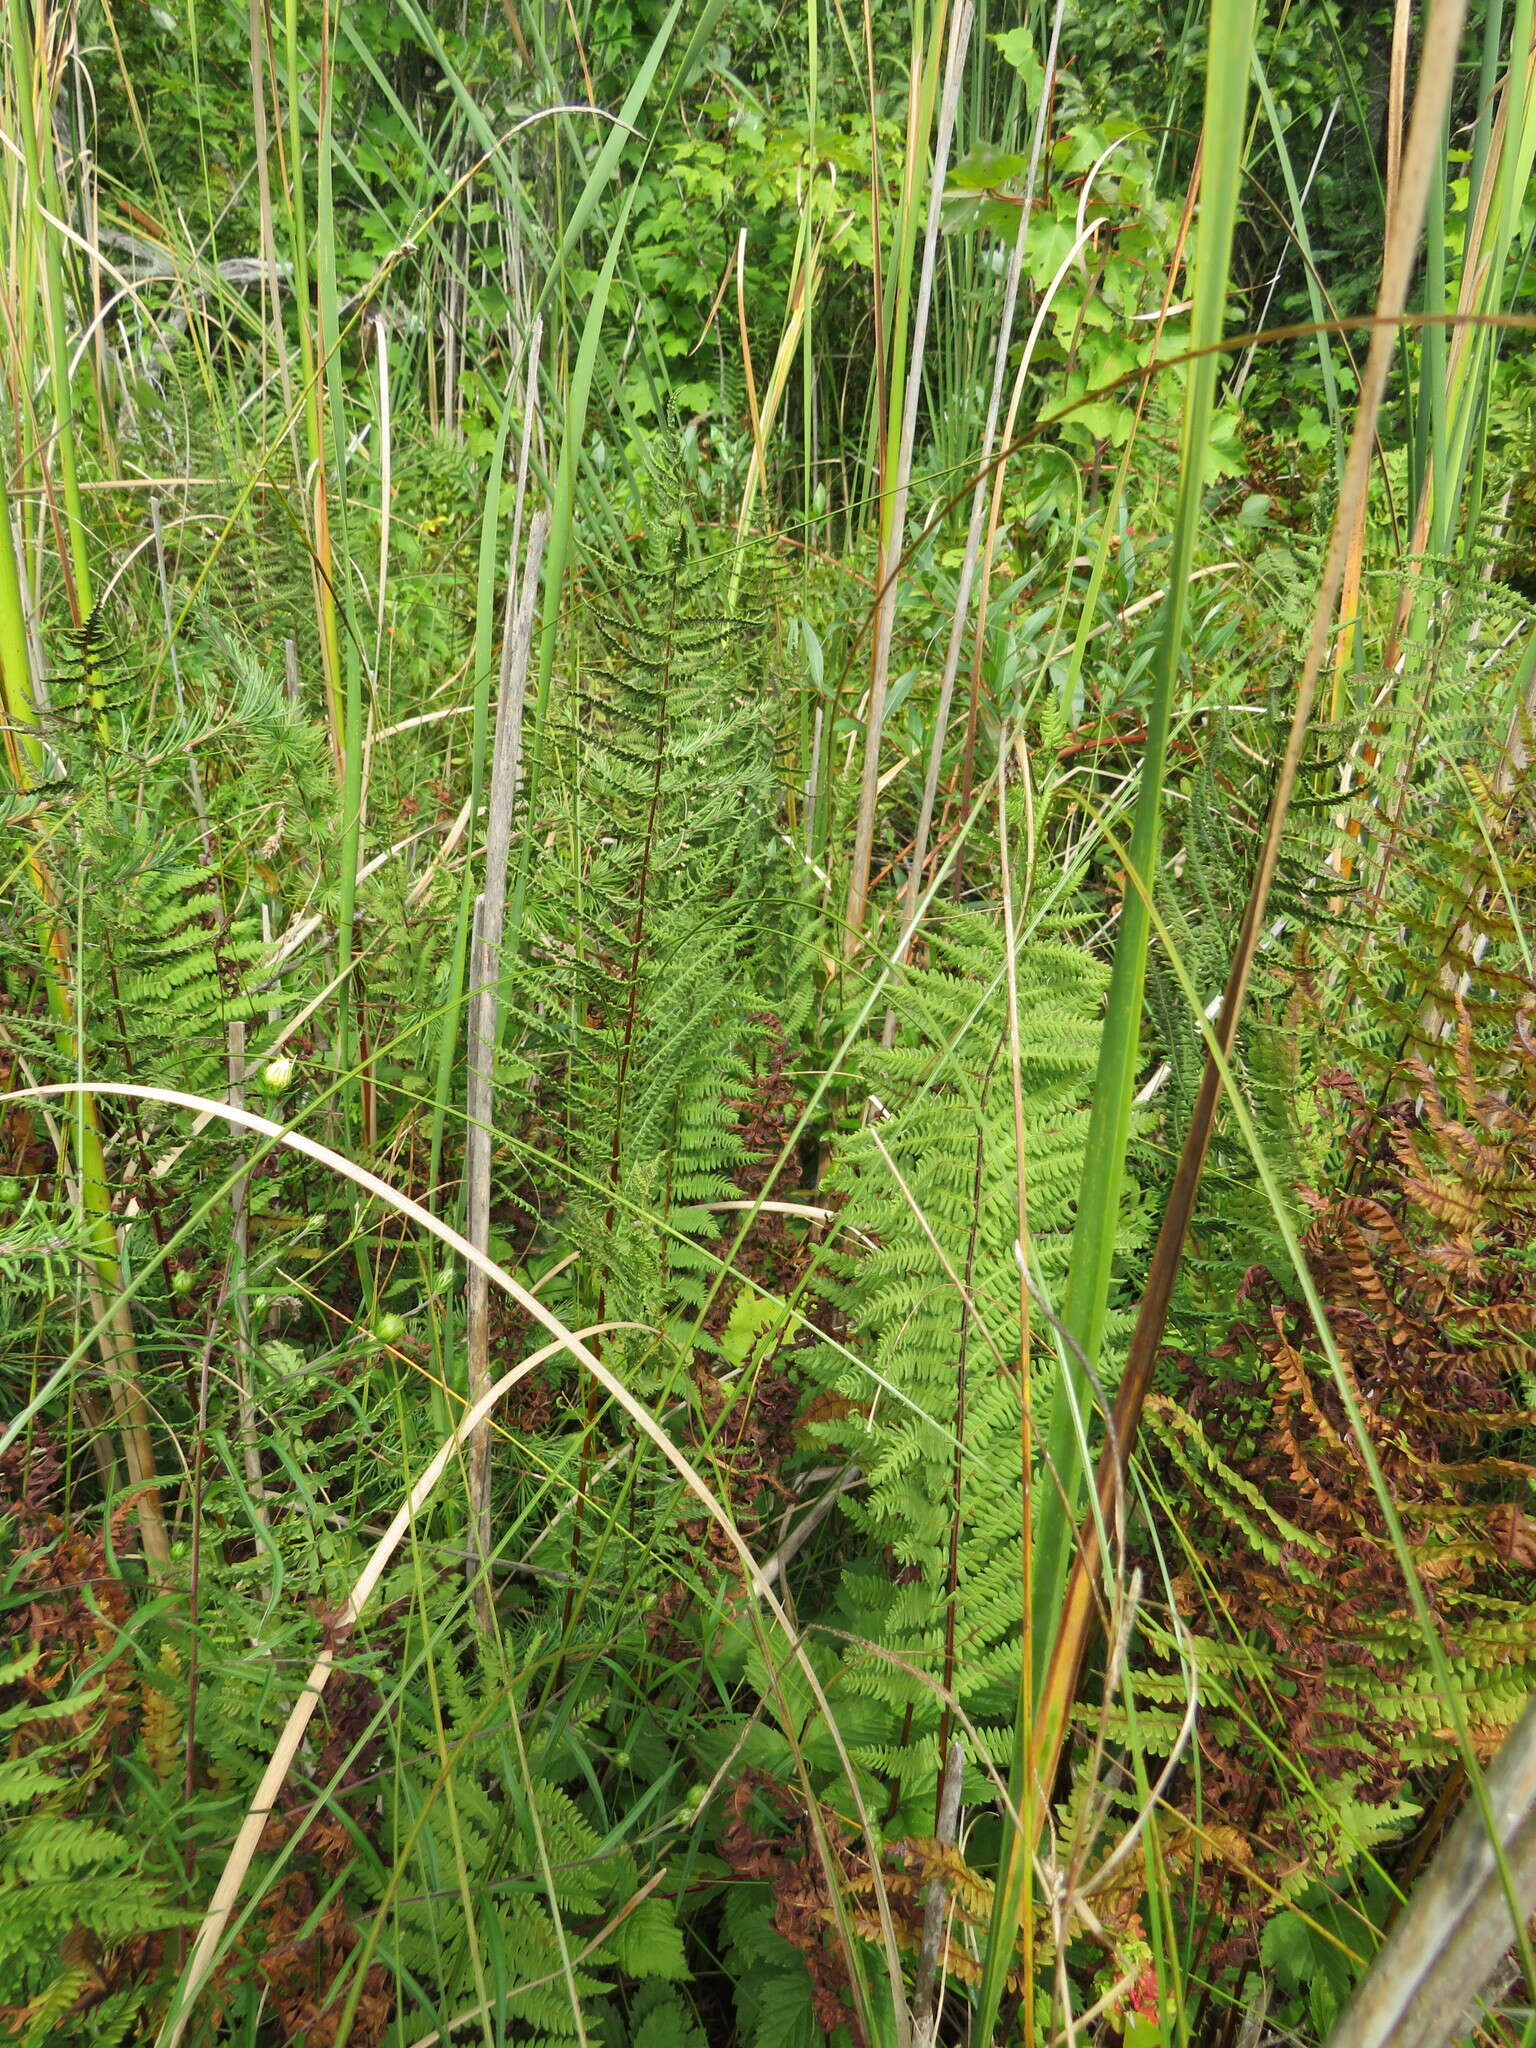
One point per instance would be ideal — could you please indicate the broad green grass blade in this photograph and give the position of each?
(1086, 1306)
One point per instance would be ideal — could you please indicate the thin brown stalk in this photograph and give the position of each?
(1021, 1220)
(1071, 1640)
(957, 1469)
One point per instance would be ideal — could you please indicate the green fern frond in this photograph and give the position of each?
(938, 1298)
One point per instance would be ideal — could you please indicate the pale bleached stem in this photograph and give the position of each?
(893, 525)
(936, 1906)
(978, 512)
(484, 1009)
(1422, 1989)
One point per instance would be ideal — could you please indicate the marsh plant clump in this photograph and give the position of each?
(768, 1148)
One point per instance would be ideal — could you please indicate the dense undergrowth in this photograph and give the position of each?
(648, 660)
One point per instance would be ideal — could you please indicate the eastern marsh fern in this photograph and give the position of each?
(932, 1417)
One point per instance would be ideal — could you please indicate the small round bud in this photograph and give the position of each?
(276, 1074)
(183, 1281)
(11, 1192)
(390, 1328)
